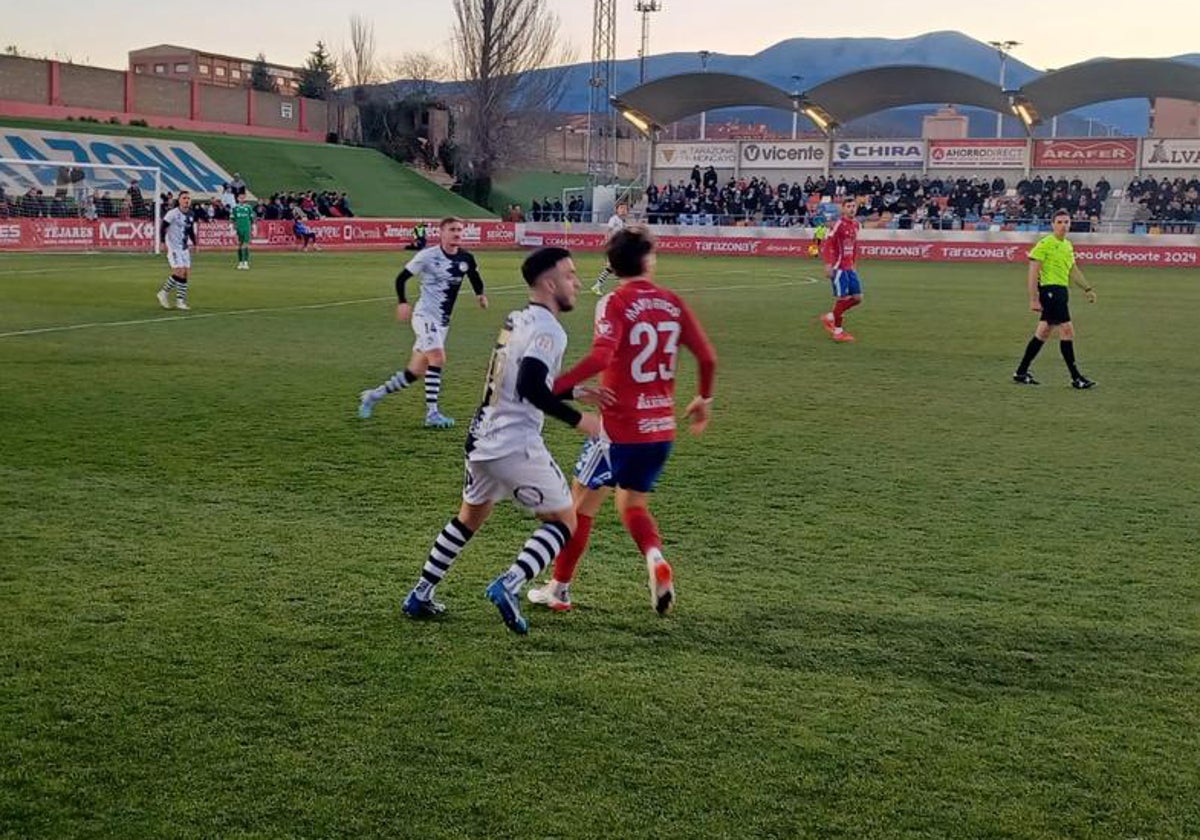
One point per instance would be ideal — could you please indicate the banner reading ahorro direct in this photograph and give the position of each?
(978, 154)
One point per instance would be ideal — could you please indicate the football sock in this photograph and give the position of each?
(399, 381)
(446, 548)
(541, 548)
(604, 275)
(840, 308)
(1031, 351)
(642, 527)
(1068, 354)
(170, 284)
(433, 387)
(181, 287)
(568, 560)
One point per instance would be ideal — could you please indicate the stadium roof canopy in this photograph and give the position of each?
(865, 92)
(672, 98)
(1112, 78)
(845, 98)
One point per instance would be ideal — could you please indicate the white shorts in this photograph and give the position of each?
(530, 478)
(431, 335)
(179, 259)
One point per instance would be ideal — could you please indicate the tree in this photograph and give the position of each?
(497, 46)
(420, 72)
(320, 75)
(260, 76)
(358, 60)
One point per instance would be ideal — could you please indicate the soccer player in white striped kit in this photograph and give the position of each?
(442, 269)
(177, 233)
(506, 457)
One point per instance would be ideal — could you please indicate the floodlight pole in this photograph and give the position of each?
(704, 54)
(1003, 48)
(645, 7)
(796, 80)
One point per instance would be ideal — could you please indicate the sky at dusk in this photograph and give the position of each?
(1052, 34)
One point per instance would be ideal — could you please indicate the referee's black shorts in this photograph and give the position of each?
(1054, 301)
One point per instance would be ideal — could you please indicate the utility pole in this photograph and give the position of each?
(796, 80)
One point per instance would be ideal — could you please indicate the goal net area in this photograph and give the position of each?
(54, 205)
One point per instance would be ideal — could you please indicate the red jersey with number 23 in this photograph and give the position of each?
(642, 326)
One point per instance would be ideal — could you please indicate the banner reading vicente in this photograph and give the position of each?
(1171, 154)
(784, 154)
(978, 154)
(1085, 154)
(687, 155)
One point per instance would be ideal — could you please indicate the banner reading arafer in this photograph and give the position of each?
(764, 154)
(687, 155)
(978, 154)
(1085, 154)
(1171, 154)
(879, 154)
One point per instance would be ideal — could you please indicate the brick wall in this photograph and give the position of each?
(92, 87)
(24, 79)
(219, 104)
(163, 97)
(267, 111)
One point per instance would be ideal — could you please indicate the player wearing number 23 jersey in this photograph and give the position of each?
(639, 329)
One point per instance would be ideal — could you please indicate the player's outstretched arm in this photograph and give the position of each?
(532, 387)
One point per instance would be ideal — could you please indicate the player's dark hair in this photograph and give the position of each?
(449, 220)
(541, 261)
(628, 249)
(182, 193)
(1062, 211)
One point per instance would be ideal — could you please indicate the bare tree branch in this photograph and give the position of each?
(359, 59)
(420, 71)
(497, 44)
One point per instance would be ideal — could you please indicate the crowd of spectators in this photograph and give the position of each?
(1173, 206)
(903, 202)
(575, 210)
(74, 200)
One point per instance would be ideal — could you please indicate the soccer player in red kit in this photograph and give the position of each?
(840, 251)
(635, 350)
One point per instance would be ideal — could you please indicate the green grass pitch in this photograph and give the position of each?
(915, 600)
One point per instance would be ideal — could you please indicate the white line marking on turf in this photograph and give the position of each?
(59, 269)
(803, 281)
(196, 317)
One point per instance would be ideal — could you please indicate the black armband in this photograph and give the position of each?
(531, 386)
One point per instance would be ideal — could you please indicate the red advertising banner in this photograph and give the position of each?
(393, 234)
(1085, 154)
(138, 235)
(1163, 256)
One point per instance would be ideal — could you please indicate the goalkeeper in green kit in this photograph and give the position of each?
(243, 223)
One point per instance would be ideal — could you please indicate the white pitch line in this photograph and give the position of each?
(59, 269)
(804, 281)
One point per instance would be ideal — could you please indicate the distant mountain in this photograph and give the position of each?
(817, 60)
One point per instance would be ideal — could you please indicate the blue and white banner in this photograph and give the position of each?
(879, 154)
(183, 165)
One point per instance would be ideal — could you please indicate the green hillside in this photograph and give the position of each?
(378, 186)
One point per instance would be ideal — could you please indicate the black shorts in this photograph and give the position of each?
(1054, 301)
